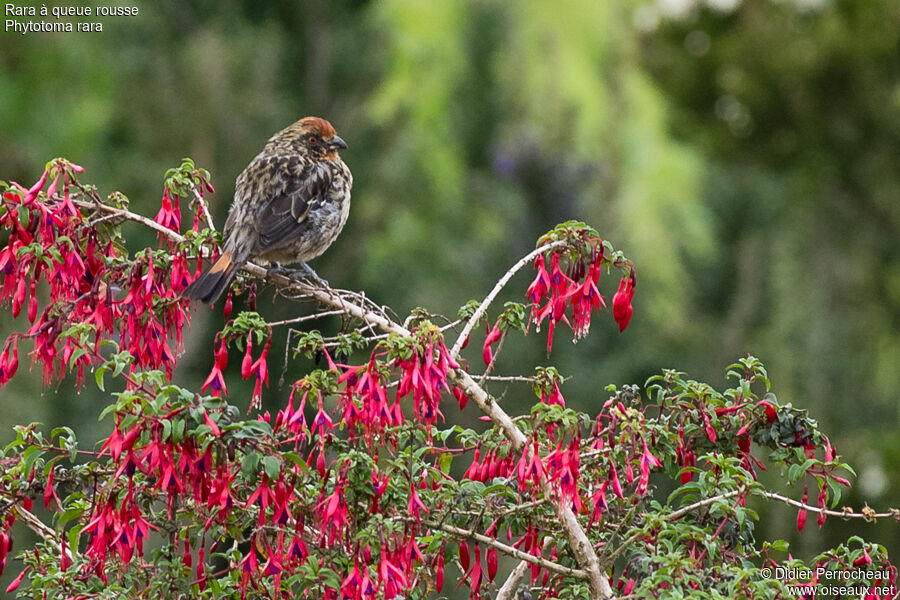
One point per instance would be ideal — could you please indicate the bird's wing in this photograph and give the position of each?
(293, 191)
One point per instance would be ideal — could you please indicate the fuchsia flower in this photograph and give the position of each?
(169, 214)
(530, 469)
(575, 288)
(424, 376)
(365, 401)
(216, 378)
(415, 504)
(801, 514)
(322, 420)
(493, 335)
(647, 461)
(79, 275)
(622, 301)
(562, 466)
(257, 369)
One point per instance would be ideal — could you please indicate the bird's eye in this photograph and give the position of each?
(313, 139)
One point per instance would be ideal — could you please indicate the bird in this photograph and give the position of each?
(290, 204)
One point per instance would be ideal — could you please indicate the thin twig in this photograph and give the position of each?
(504, 548)
(867, 513)
(205, 207)
(700, 504)
(510, 586)
(521, 378)
(501, 283)
(846, 513)
(35, 524)
(130, 216)
(311, 317)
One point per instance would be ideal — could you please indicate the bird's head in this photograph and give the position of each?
(313, 136)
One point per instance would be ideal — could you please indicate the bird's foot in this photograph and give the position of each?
(304, 274)
(312, 275)
(279, 270)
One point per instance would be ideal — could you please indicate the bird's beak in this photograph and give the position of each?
(337, 142)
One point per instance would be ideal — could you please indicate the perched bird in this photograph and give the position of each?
(290, 204)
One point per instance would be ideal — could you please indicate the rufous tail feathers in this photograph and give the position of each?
(212, 282)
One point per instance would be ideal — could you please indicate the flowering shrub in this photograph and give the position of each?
(359, 487)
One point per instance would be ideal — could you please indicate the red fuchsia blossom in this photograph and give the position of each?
(821, 500)
(291, 418)
(554, 398)
(424, 375)
(493, 335)
(562, 466)
(598, 501)
(352, 584)
(474, 574)
(461, 397)
(864, 559)
(771, 412)
(491, 563)
(391, 576)
(216, 377)
(79, 273)
(530, 470)
(9, 359)
(322, 420)
(622, 301)
(539, 287)
(613, 477)
(121, 530)
(5, 540)
(14, 584)
(647, 461)
(415, 505)
(574, 288)
(257, 369)
(334, 511)
(365, 403)
(169, 214)
(439, 571)
(801, 514)
(586, 299)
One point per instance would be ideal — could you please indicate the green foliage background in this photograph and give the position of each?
(744, 154)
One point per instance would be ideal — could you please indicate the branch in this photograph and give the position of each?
(318, 315)
(126, 214)
(508, 589)
(846, 513)
(867, 514)
(700, 504)
(501, 283)
(202, 201)
(506, 549)
(35, 524)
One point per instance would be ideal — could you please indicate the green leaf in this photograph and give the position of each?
(249, 464)
(178, 430)
(98, 377)
(31, 454)
(296, 459)
(272, 466)
(835, 488)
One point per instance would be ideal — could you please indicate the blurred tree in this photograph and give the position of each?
(797, 107)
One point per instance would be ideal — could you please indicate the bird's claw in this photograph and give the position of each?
(312, 275)
(305, 274)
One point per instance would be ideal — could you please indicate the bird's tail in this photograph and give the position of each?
(213, 281)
